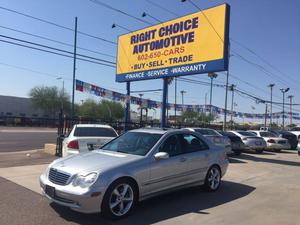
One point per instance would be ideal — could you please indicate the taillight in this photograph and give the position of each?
(271, 141)
(73, 144)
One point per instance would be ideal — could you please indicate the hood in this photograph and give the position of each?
(98, 160)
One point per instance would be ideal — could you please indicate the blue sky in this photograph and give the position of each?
(269, 28)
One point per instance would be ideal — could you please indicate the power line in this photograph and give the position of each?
(56, 41)
(261, 58)
(57, 25)
(119, 11)
(55, 53)
(55, 49)
(163, 8)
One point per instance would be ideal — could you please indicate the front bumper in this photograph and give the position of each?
(76, 198)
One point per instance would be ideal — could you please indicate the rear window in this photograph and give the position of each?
(246, 133)
(94, 132)
(206, 132)
(267, 134)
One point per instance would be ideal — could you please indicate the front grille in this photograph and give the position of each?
(58, 177)
(281, 142)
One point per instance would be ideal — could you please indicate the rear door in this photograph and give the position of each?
(197, 155)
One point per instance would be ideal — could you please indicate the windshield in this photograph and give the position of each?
(94, 132)
(246, 133)
(136, 143)
(206, 132)
(267, 134)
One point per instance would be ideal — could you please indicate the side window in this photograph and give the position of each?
(172, 146)
(191, 143)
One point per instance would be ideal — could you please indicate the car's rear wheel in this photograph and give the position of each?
(259, 151)
(213, 179)
(119, 199)
(237, 152)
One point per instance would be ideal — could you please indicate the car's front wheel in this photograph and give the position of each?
(213, 179)
(119, 199)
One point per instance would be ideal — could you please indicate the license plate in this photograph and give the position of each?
(258, 143)
(50, 191)
(93, 146)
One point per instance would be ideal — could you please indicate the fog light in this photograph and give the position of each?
(95, 194)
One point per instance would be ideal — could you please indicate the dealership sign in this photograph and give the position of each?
(192, 44)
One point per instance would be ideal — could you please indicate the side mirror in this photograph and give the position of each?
(161, 155)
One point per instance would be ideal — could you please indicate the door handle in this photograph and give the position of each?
(182, 159)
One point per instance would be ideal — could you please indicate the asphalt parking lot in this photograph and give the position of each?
(258, 189)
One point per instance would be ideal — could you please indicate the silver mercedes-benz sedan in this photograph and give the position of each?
(132, 167)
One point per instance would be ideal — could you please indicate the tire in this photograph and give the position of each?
(114, 199)
(259, 151)
(237, 152)
(298, 153)
(213, 175)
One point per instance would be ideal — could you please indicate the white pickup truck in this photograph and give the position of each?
(296, 131)
(87, 137)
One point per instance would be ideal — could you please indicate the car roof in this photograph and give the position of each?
(93, 125)
(152, 130)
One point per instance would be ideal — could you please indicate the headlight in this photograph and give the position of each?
(85, 181)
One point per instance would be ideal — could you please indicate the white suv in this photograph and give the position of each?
(87, 137)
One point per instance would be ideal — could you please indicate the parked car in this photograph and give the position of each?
(87, 137)
(135, 166)
(215, 137)
(237, 144)
(296, 131)
(292, 138)
(251, 141)
(298, 148)
(273, 141)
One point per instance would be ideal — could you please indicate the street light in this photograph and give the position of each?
(63, 93)
(141, 109)
(291, 112)
(231, 88)
(271, 115)
(114, 25)
(182, 93)
(283, 90)
(211, 76)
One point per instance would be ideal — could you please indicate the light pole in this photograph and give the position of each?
(231, 88)
(182, 93)
(211, 76)
(271, 86)
(141, 109)
(182, 102)
(283, 90)
(291, 112)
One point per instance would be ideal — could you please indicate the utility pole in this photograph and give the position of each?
(232, 96)
(271, 115)
(226, 93)
(291, 112)
(141, 109)
(182, 93)
(211, 76)
(182, 102)
(74, 71)
(283, 90)
(266, 112)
